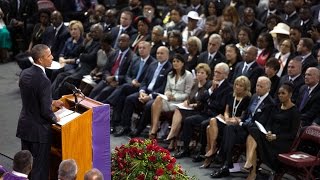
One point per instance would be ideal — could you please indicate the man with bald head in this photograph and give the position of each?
(153, 83)
(249, 67)
(56, 35)
(309, 98)
(259, 110)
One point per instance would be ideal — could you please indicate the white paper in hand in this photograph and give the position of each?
(261, 128)
(181, 106)
(163, 96)
(221, 120)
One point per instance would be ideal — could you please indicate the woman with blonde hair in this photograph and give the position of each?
(200, 85)
(237, 103)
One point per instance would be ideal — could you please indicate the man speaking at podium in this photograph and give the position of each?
(36, 116)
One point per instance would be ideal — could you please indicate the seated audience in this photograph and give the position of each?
(305, 50)
(237, 104)
(271, 68)
(178, 87)
(156, 39)
(233, 57)
(143, 33)
(194, 48)
(68, 170)
(259, 110)
(176, 22)
(153, 83)
(175, 44)
(212, 26)
(22, 165)
(200, 85)
(285, 54)
(244, 37)
(282, 127)
(214, 101)
(93, 174)
(266, 46)
(309, 98)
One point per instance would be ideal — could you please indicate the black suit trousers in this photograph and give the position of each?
(188, 126)
(41, 157)
(232, 134)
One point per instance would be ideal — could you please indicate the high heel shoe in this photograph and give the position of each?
(153, 136)
(209, 154)
(207, 162)
(246, 169)
(170, 139)
(172, 145)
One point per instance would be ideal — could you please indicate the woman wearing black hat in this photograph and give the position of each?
(143, 26)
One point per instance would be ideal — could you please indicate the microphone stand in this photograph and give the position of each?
(74, 93)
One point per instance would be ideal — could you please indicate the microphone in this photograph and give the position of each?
(73, 88)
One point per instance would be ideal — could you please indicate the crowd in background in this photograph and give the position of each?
(211, 68)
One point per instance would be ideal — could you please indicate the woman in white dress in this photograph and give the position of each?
(178, 87)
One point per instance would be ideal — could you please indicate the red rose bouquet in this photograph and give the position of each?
(144, 159)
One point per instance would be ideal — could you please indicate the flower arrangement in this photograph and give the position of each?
(144, 159)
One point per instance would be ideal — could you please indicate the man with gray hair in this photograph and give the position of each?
(259, 110)
(93, 174)
(68, 170)
(214, 101)
(212, 56)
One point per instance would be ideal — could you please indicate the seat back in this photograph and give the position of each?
(311, 133)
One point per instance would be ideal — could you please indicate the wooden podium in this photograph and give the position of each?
(73, 139)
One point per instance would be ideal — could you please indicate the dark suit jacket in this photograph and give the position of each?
(161, 81)
(310, 110)
(310, 61)
(285, 68)
(262, 113)
(257, 27)
(134, 69)
(297, 83)
(253, 73)
(36, 115)
(218, 58)
(55, 43)
(115, 31)
(294, 20)
(262, 16)
(123, 67)
(215, 103)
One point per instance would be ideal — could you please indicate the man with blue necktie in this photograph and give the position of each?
(258, 110)
(153, 83)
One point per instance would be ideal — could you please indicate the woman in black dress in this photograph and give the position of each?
(281, 128)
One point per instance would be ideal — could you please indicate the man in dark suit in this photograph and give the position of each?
(306, 20)
(136, 73)
(22, 165)
(309, 97)
(294, 76)
(56, 35)
(304, 48)
(249, 67)
(290, 15)
(249, 20)
(153, 83)
(214, 102)
(36, 117)
(258, 110)
(73, 9)
(124, 27)
(272, 9)
(86, 62)
(114, 71)
(212, 56)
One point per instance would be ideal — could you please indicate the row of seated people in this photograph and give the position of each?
(22, 166)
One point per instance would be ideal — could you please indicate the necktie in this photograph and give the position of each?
(245, 69)
(140, 69)
(304, 98)
(116, 65)
(154, 78)
(210, 59)
(254, 106)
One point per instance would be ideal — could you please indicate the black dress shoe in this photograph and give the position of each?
(223, 172)
(134, 133)
(120, 131)
(181, 154)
